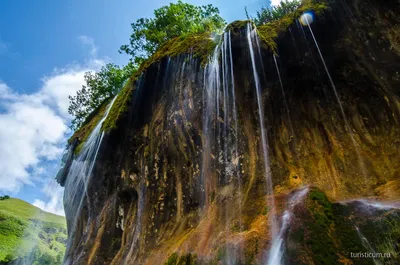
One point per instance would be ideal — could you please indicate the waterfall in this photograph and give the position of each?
(79, 176)
(220, 128)
(251, 34)
(276, 251)
(210, 110)
(307, 20)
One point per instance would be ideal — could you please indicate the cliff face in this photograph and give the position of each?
(189, 174)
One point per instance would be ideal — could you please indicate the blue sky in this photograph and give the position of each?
(45, 48)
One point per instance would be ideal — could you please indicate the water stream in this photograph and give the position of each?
(284, 98)
(251, 34)
(79, 176)
(276, 250)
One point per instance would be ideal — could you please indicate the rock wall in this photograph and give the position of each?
(157, 197)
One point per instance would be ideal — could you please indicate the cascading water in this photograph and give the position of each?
(79, 176)
(306, 19)
(251, 34)
(220, 126)
(210, 110)
(276, 251)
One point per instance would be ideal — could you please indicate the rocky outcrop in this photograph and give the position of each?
(162, 191)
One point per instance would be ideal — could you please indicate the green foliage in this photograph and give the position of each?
(176, 20)
(5, 197)
(272, 13)
(99, 87)
(30, 234)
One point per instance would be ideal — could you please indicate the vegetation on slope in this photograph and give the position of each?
(30, 234)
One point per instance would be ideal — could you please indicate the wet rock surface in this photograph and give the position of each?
(156, 197)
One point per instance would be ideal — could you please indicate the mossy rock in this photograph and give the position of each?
(201, 45)
(269, 32)
(119, 107)
(187, 259)
(236, 26)
(90, 123)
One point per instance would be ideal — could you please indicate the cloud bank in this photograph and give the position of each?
(34, 129)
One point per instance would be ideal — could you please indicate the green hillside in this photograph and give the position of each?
(27, 232)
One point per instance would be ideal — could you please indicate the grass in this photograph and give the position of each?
(25, 228)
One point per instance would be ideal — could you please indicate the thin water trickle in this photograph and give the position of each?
(138, 221)
(347, 125)
(235, 151)
(264, 139)
(284, 98)
(276, 251)
(367, 245)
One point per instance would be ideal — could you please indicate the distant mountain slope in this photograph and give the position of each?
(29, 235)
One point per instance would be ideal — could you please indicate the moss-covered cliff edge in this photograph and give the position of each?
(147, 199)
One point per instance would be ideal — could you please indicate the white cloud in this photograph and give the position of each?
(276, 2)
(55, 193)
(34, 129)
(90, 42)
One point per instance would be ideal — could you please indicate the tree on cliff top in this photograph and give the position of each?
(271, 13)
(99, 86)
(171, 21)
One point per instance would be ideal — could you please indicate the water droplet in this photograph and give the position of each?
(306, 18)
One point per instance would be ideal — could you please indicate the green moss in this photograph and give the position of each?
(187, 259)
(318, 236)
(237, 25)
(119, 107)
(172, 259)
(90, 123)
(270, 31)
(200, 45)
(345, 233)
